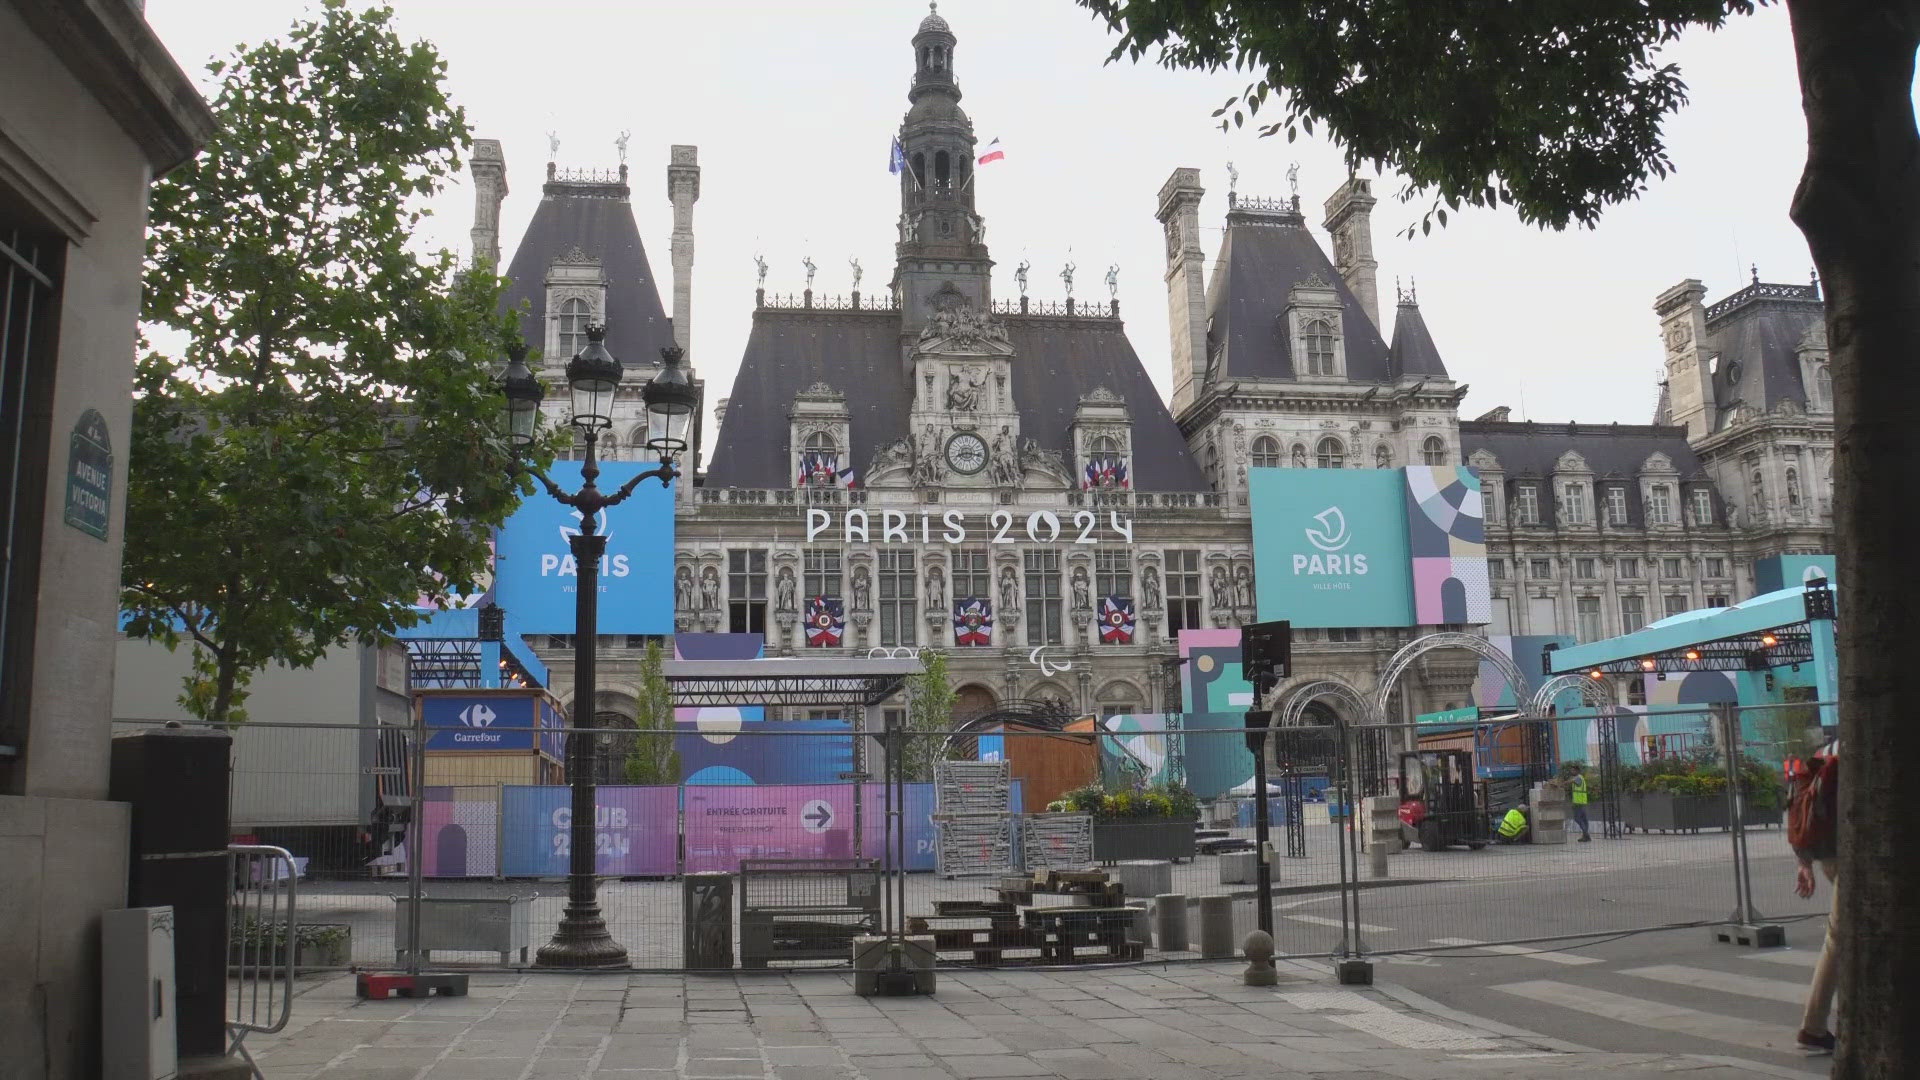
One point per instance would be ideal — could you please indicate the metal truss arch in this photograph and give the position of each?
(1418, 647)
(1299, 697)
(1591, 693)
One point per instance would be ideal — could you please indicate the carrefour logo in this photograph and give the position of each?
(477, 716)
(1330, 537)
(563, 563)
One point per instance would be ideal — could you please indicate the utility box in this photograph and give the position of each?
(137, 1003)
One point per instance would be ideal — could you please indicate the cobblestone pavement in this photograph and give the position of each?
(1173, 1022)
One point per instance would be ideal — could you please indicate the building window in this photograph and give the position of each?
(1660, 505)
(1633, 613)
(1332, 454)
(1702, 506)
(1317, 336)
(1183, 592)
(820, 463)
(574, 317)
(1676, 604)
(898, 597)
(1822, 388)
(1497, 569)
(1112, 574)
(820, 574)
(1586, 568)
(1616, 506)
(1716, 601)
(1346, 634)
(1266, 452)
(1671, 567)
(1586, 614)
(1526, 504)
(1433, 451)
(1629, 568)
(1576, 504)
(1636, 691)
(1490, 496)
(747, 591)
(1043, 597)
(1541, 569)
(1716, 568)
(972, 577)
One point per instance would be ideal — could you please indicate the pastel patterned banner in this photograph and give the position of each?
(1447, 544)
(633, 831)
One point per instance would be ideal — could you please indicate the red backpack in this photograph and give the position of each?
(1813, 807)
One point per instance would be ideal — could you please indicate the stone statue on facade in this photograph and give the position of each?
(854, 262)
(760, 261)
(1066, 276)
(1009, 590)
(783, 591)
(710, 589)
(1293, 178)
(936, 590)
(1020, 275)
(1082, 591)
(683, 589)
(1150, 589)
(1048, 461)
(1299, 456)
(1006, 466)
(965, 388)
(553, 145)
(1243, 586)
(1220, 588)
(1233, 181)
(897, 452)
(1382, 457)
(1113, 281)
(807, 261)
(862, 589)
(620, 144)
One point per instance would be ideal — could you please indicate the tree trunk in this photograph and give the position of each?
(1859, 206)
(227, 674)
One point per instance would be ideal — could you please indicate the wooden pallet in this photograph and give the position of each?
(1066, 934)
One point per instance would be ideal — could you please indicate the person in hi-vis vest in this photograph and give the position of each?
(1577, 790)
(1513, 827)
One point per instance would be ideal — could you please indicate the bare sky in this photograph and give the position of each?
(793, 107)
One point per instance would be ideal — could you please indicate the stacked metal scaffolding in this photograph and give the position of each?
(973, 803)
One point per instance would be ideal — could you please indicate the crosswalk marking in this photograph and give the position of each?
(1654, 1014)
(1725, 982)
(1322, 920)
(1797, 957)
(1521, 950)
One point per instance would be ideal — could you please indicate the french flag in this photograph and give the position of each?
(993, 153)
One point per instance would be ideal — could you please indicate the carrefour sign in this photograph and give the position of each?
(1369, 547)
(496, 722)
(537, 579)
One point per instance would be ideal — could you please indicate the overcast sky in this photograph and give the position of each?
(793, 107)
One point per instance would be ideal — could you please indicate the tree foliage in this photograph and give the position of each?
(930, 701)
(313, 445)
(653, 756)
(1553, 107)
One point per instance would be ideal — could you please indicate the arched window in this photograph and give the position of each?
(1266, 452)
(1793, 487)
(1317, 335)
(574, 316)
(1331, 454)
(1434, 451)
(1823, 387)
(942, 167)
(1382, 457)
(1106, 446)
(821, 440)
(820, 464)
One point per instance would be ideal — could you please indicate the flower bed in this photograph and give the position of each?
(1148, 823)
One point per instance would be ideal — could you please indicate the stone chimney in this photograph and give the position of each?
(1683, 328)
(1179, 213)
(1350, 222)
(683, 190)
(489, 169)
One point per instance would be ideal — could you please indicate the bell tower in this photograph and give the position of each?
(941, 254)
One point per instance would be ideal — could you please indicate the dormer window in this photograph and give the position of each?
(574, 316)
(1822, 388)
(1702, 506)
(1617, 506)
(1317, 337)
(820, 463)
(1659, 505)
(1526, 504)
(1266, 452)
(1433, 451)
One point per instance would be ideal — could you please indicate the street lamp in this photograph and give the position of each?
(594, 374)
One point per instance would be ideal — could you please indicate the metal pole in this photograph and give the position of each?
(1741, 902)
(416, 836)
(1263, 848)
(581, 940)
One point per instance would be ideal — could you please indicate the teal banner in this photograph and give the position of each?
(1330, 547)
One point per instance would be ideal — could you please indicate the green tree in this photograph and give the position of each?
(314, 444)
(653, 757)
(1555, 109)
(929, 713)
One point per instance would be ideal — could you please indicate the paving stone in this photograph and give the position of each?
(982, 1065)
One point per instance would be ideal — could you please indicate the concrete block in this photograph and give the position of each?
(1239, 867)
(1170, 915)
(1216, 927)
(1143, 877)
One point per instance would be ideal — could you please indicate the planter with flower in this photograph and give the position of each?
(1150, 823)
(1689, 793)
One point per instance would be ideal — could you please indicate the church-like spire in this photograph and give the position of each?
(942, 249)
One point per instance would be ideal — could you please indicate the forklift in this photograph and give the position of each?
(1440, 799)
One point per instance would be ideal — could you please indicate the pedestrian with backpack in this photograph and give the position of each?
(1813, 830)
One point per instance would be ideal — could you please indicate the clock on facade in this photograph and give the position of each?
(966, 453)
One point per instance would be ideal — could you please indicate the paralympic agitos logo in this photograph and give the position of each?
(1331, 537)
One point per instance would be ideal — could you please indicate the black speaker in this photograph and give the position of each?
(176, 780)
(1266, 655)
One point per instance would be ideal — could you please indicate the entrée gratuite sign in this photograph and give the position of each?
(954, 527)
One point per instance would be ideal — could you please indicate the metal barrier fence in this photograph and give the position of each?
(264, 943)
(1164, 813)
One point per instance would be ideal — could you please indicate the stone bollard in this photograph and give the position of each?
(1141, 929)
(1260, 970)
(1216, 927)
(1377, 860)
(1170, 912)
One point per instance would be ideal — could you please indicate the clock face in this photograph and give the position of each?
(966, 453)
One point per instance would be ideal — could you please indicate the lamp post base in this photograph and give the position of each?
(581, 941)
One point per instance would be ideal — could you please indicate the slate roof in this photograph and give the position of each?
(597, 219)
(1756, 333)
(858, 353)
(1612, 451)
(1413, 351)
(1265, 253)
